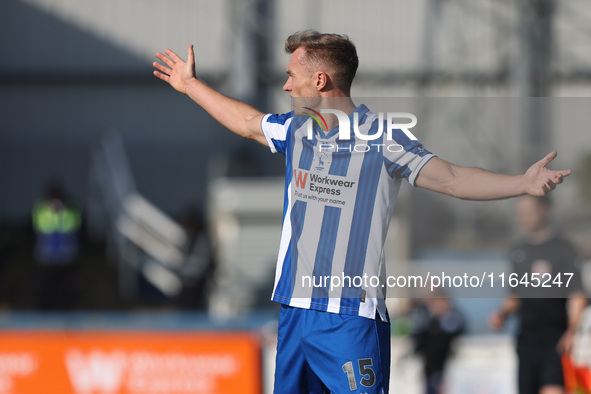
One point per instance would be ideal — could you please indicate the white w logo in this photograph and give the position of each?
(97, 371)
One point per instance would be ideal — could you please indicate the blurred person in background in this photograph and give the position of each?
(4, 241)
(198, 266)
(547, 326)
(436, 324)
(57, 226)
(338, 344)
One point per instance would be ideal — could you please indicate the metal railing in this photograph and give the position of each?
(141, 237)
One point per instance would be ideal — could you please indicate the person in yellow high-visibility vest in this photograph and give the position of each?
(57, 227)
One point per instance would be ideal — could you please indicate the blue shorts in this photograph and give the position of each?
(323, 352)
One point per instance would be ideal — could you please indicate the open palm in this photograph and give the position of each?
(175, 70)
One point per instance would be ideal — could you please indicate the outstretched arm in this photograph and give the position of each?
(237, 116)
(477, 184)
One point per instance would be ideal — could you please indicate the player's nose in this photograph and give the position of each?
(287, 85)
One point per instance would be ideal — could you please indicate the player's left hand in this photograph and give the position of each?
(539, 180)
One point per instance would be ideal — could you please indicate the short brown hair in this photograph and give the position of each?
(334, 50)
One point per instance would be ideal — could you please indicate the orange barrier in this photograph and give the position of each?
(577, 378)
(129, 362)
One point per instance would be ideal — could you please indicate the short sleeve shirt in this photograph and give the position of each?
(340, 192)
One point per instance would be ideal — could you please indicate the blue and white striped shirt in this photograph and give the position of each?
(339, 198)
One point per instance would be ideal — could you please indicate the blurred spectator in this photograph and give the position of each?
(436, 324)
(198, 266)
(57, 225)
(3, 252)
(546, 325)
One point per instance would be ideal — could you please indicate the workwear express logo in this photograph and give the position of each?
(389, 121)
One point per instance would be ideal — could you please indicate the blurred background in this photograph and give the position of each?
(170, 222)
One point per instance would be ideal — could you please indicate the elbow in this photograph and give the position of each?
(446, 178)
(251, 126)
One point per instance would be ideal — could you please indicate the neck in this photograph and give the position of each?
(341, 103)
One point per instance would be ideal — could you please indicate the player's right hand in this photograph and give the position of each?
(175, 70)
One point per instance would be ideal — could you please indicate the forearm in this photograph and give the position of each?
(237, 116)
(477, 184)
(468, 183)
(576, 306)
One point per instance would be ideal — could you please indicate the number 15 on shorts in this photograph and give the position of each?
(368, 376)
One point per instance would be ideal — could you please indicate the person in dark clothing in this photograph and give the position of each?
(548, 302)
(436, 324)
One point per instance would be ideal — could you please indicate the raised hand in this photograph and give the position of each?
(175, 70)
(540, 180)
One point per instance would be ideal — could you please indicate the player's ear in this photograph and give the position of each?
(322, 80)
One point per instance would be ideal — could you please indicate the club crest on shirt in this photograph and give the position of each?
(322, 161)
